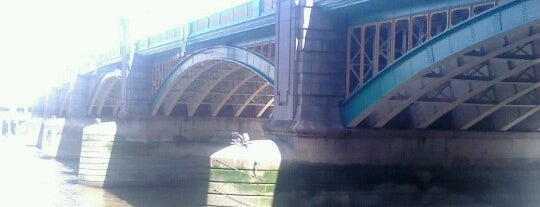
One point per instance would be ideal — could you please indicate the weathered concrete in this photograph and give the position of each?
(199, 129)
(30, 130)
(109, 159)
(52, 133)
(416, 148)
(310, 74)
(139, 88)
(159, 151)
(247, 173)
(62, 137)
(390, 167)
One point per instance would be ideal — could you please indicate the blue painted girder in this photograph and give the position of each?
(502, 19)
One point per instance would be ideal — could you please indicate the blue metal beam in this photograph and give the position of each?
(499, 20)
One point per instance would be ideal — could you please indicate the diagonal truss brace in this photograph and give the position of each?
(388, 109)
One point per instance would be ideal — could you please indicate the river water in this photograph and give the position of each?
(28, 180)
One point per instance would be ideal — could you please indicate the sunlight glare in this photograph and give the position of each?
(43, 43)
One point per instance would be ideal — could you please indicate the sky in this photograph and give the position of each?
(41, 42)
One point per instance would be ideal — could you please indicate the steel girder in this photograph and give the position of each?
(484, 55)
(103, 93)
(217, 77)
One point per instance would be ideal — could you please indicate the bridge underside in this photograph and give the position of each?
(106, 96)
(490, 85)
(223, 81)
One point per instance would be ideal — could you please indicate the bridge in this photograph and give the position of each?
(336, 84)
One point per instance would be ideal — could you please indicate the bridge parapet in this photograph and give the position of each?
(172, 38)
(239, 14)
(109, 57)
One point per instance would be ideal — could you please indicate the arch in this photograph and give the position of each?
(197, 77)
(107, 83)
(455, 69)
(66, 101)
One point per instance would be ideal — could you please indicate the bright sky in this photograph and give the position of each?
(40, 41)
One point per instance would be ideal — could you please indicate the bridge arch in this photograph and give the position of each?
(484, 70)
(66, 101)
(106, 94)
(217, 81)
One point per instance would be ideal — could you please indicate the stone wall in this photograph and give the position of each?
(139, 88)
(80, 96)
(448, 149)
(158, 151)
(310, 70)
(197, 129)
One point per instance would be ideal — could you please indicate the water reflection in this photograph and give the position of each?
(27, 180)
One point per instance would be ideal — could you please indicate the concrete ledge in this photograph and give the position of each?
(415, 148)
(182, 129)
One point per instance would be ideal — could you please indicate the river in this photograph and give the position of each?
(28, 180)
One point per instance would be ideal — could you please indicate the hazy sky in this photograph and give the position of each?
(39, 40)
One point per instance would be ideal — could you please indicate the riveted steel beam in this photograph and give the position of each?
(424, 114)
(255, 93)
(265, 107)
(184, 85)
(192, 108)
(490, 110)
(217, 108)
(422, 85)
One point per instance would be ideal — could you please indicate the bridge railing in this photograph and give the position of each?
(242, 13)
(169, 36)
(110, 56)
(238, 14)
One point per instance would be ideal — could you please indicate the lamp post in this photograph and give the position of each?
(125, 54)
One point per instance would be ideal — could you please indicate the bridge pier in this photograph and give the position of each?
(31, 130)
(61, 137)
(158, 151)
(310, 76)
(390, 167)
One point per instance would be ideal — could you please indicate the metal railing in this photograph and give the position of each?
(171, 35)
(236, 15)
